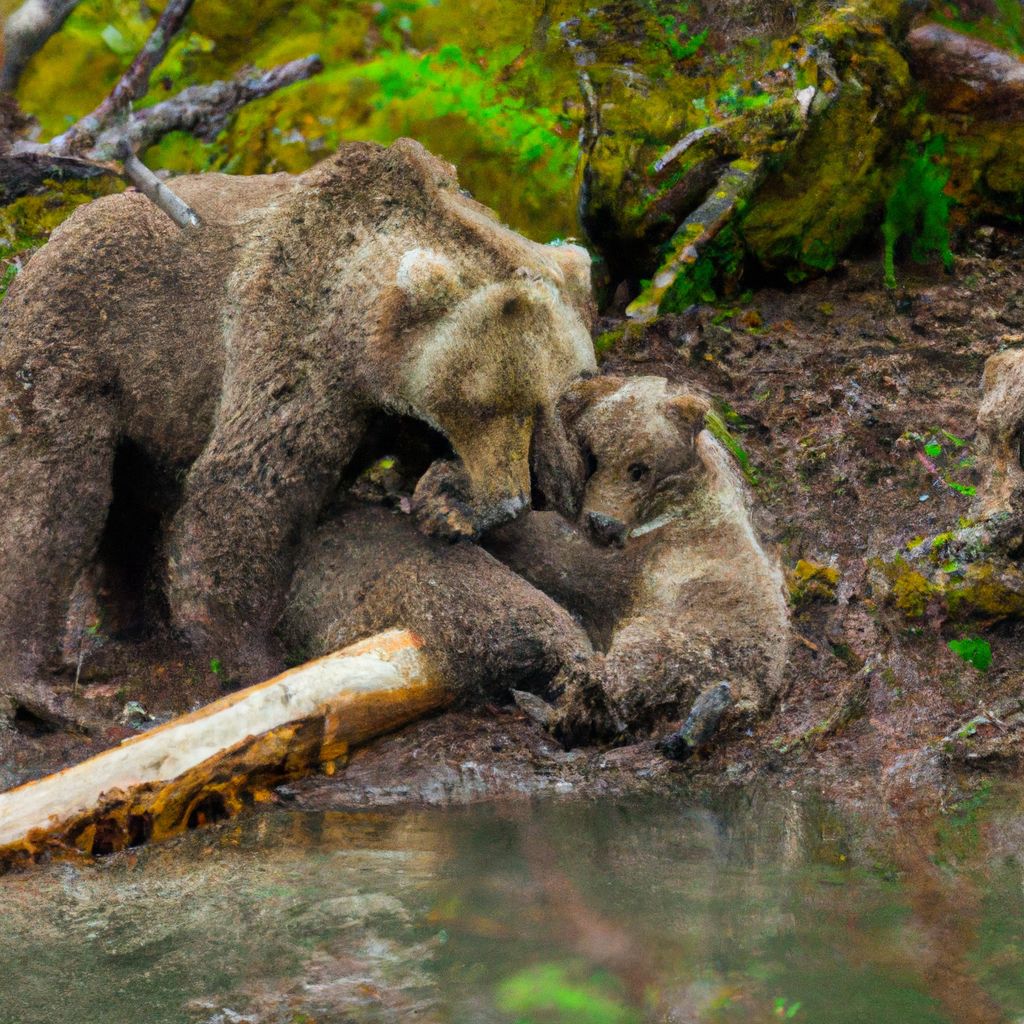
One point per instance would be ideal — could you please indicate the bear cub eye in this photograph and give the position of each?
(638, 471)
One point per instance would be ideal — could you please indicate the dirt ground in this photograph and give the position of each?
(833, 389)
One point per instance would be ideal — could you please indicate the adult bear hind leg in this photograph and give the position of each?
(56, 463)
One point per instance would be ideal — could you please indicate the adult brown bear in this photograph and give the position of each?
(246, 358)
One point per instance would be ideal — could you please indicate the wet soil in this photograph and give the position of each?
(832, 388)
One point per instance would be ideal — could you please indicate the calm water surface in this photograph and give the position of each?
(750, 909)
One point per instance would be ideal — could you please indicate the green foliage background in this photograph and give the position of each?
(493, 87)
(487, 86)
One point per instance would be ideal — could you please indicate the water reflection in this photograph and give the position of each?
(753, 909)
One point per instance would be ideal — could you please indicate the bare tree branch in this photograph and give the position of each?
(685, 143)
(21, 174)
(202, 110)
(132, 85)
(26, 33)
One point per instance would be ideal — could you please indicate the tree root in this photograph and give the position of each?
(697, 232)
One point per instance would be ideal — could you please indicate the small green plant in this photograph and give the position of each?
(8, 275)
(918, 208)
(722, 434)
(785, 1009)
(216, 666)
(680, 44)
(944, 457)
(974, 651)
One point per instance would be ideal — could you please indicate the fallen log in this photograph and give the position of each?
(225, 757)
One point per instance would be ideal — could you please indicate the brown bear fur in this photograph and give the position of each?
(367, 569)
(243, 359)
(691, 598)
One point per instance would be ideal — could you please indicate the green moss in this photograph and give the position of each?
(918, 207)
(487, 91)
(837, 175)
(811, 581)
(988, 591)
(26, 223)
(715, 272)
(984, 589)
(911, 593)
(605, 342)
(909, 590)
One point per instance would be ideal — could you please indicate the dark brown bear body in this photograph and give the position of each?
(367, 569)
(689, 599)
(244, 358)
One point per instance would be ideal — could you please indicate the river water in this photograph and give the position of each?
(751, 908)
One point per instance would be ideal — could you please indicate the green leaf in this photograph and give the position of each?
(216, 666)
(967, 489)
(933, 449)
(116, 41)
(974, 651)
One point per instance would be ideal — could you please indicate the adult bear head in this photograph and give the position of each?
(485, 364)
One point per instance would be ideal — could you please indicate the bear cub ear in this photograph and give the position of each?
(428, 279)
(582, 394)
(688, 411)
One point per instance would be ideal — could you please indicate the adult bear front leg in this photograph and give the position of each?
(250, 499)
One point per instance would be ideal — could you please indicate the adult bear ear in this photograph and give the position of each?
(575, 264)
(688, 412)
(428, 279)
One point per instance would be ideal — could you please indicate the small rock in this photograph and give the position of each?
(701, 724)
(134, 714)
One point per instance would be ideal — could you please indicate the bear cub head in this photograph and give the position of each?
(638, 437)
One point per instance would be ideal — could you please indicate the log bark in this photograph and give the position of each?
(215, 762)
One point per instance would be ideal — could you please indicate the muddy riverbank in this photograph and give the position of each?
(852, 410)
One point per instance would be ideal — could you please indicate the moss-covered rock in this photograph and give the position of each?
(810, 581)
(962, 576)
(27, 223)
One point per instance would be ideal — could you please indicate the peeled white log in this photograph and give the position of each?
(215, 761)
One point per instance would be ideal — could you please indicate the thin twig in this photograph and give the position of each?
(201, 110)
(684, 144)
(159, 194)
